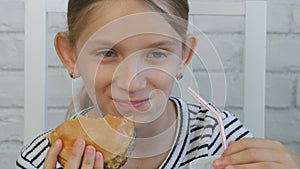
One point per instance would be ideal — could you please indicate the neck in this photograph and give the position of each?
(156, 138)
(160, 125)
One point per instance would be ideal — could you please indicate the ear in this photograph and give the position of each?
(188, 50)
(66, 52)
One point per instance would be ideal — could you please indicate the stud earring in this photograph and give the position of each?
(179, 76)
(72, 76)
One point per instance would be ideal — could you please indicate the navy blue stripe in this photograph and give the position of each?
(200, 138)
(197, 118)
(38, 154)
(41, 135)
(196, 129)
(192, 159)
(233, 131)
(19, 165)
(177, 139)
(181, 151)
(213, 142)
(218, 135)
(193, 112)
(41, 163)
(227, 136)
(243, 135)
(197, 112)
(217, 149)
(25, 159)
(184, 143)
(35, 146)
(230, 123)
(196, 148)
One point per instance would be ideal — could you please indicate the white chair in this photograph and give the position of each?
(35, 97)
(35, 101)
(255, 13)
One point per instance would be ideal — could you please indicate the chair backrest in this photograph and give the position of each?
(35, 66)
(255, 14)
(35, 99)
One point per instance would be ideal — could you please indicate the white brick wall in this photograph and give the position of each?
(298, 93)
(283, 72)
(280, 122)
(11, 128)
(7, 160)
(11, 135)
(279, 17)
(12, 56)
(220, 24)
(296, 19)
(229, 47)
(283, 60)
(279, 90)
(11, 88)
(12, 16)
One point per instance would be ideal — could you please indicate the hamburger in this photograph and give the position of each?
(112, 136)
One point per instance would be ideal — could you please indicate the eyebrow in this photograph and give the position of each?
(164, 42)
(101, 42)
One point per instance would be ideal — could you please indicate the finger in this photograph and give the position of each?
(75, 157)
(52, 154)
(99, 161)
(246, 143)
(252, 156)
(89, 158)
(262, 165)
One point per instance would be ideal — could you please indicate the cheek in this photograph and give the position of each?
(96, 79)
(162, 81)
(103, 78)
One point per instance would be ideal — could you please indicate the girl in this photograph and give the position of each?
(128, 54)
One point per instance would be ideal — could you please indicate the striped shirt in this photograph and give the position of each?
(197, 135)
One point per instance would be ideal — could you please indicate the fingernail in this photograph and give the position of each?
(217, 163)
(90, 150)
(98, 155)
(56, 143)
(79, 142)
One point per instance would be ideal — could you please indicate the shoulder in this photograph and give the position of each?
(204, 127)
(33, 154)
(201, 117)
(234, 129)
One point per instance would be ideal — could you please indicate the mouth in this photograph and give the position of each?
(131, 105)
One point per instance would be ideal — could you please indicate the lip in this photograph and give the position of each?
(130, 105)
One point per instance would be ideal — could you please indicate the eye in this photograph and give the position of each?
(106, 53)
(158, 54)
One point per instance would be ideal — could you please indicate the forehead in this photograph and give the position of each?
(118, 20)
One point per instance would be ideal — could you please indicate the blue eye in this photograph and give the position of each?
(106, 53)
(158, 54)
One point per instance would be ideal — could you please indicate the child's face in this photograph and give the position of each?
(128, 60)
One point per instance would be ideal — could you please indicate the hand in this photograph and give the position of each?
(83, 157)
(255, 153)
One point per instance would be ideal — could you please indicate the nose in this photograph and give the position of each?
(129, 75)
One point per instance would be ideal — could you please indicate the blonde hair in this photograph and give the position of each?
(79, 8)
(84, 102)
